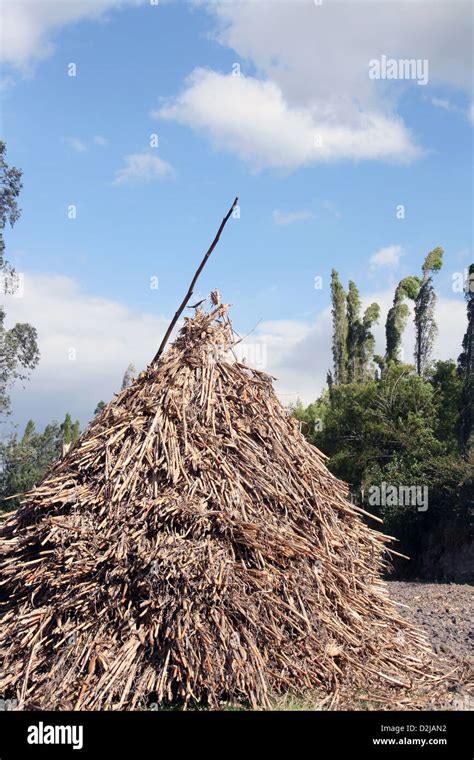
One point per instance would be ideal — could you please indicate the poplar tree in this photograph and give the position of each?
(425, 301)
(353, 331)
(466, 366)
(367, 342)
(339, 337)
(360, 339)
(397, 317)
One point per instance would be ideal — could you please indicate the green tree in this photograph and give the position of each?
(69, 430)
(401, 429)
(425, 301)
(367, 341)
(466, 367)
(353, 331)
(69, 433)
(10, 187)
(360, 339)
(25, 460)
(397, 317)
(99, 407)
(448, 387)
(366, 425)
(19, 352)
(339, 335)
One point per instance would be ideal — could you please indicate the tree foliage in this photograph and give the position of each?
(466, 368)
(408, 426)
(18, 355)
(397, 317)
(353, 341)
(353, 330)
(25, 460)
(425, 301)
(366, 345)
(400, 429)
(10, 187)
(19, 352)
(339, 337)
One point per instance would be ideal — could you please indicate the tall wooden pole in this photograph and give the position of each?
(193, 283)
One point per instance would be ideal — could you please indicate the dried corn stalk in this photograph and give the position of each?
(193, 546)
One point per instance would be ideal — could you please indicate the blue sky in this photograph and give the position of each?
(146, 212)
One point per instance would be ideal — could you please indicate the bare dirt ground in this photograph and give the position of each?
(445, 612)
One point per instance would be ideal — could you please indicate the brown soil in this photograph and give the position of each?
(445, 612)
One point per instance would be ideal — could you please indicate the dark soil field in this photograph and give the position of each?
(445, 612)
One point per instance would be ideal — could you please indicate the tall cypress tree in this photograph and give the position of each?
(466, 366)
(69, 433)
(353, 331)
(353, 341)
(367, 342)
(425, 324)
(339, 336)
(397, 317)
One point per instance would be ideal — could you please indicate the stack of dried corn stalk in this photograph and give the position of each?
(193, 547)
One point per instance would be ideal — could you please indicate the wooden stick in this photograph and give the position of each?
(193, 283)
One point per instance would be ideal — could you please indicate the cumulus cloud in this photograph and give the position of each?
(142, 167)
(106, 336)
(28, 26)
(85, 342)
(323, 51)
(309, 97)
(250, 117)
(388, 257)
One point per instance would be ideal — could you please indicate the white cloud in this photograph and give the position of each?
(446, 105)
(29, 25)
(322, 52)
(76, 144)
(298, 355)
(251, 118)
(309, 77)
(288, 217)
(142, 167)
(442, 103)
(386, 257)
(82, 146)
(105, 335)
